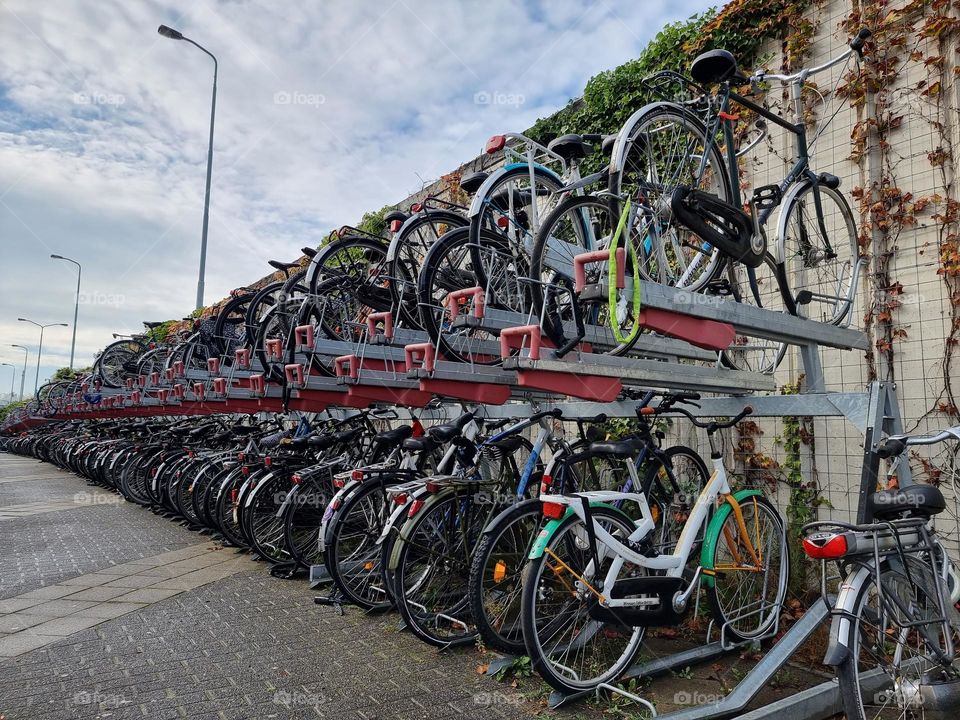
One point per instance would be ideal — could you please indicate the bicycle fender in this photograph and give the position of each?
(407, 527)
(779, 251)
(546, 534)
(476, 205)
(842, 625)
(713, 534)
(620, 145)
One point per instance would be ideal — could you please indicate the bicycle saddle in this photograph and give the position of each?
(616, 448)
(395, 436)
(471, 183)
(716, 66)
(151, 325)
(309, 251)
(282, 266)
(607, 145)
(915, 501)
(570, 147)
(394, 215)
(508, 445)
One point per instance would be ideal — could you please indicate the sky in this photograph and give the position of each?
(325, 110)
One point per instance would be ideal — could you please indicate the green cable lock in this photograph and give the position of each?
(611, 282)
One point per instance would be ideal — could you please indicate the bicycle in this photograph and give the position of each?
(595, 581)
(895, 625)
(669, 184)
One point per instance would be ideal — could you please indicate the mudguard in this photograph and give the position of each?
(551, 527)
(713, 533)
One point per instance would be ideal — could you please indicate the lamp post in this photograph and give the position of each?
(169, 32)
(36, 382)
(12, 378)
(76, 306)
(23, 375)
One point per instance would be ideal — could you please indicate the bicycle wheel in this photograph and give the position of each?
(571, 645)
(451, 265)
(406, 254)
(662, 150)
(898, 651)
(496, 576)
(820, 259)
(266, 528)
(579, 224)
(432, 568)
(672, 490)
(767, 289)
(302, 520)
(118, 361)
(750, 565)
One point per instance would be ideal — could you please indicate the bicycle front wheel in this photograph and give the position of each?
(819, 253)
(570, 640)
(898, 658)
(748, 557)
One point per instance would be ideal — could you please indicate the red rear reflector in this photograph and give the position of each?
(495, 144)
(268, 461)
(356, 475)
(339, 482)
(400, 499)
(241, 456)
(503, 223)
(233, 496)
(336, 503)
(415, 507)
(554, 511)
(545, 484)
(433, 487)
(296, 479)
(245, 471)
(823, 547)
(395, 225)
(416, 207)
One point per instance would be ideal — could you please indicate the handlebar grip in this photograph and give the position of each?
(857, 43)
(891, 447)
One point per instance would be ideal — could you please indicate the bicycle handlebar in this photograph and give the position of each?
(713, 425)
(896, 444)
(856, 46)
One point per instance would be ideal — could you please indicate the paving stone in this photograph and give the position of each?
(21, 642)
(110, 609)
(148, 595)
(65, 626)
(15, 622)
(98, 594)
(58, 608)
(52, 592)
(133, 581)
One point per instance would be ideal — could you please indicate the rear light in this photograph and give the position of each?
(356, 475)
(825, 546)
(433, 487)
(241, 456)
(268, 461)
(416, 207)
(190, 453)
(495, 144)
(233, 495)
(553, 510)
(545, 484)
(400, 499)
(296, 478)
(503, 223)
(415, 507)
(395, 225)
(245, 471)
(337, 502)
(339, 482)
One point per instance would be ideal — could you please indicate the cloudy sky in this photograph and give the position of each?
(324, 110)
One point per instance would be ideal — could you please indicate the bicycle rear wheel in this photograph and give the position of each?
(893, 669)
(820, 259)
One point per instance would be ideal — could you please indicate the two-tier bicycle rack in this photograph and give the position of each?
(402, 368)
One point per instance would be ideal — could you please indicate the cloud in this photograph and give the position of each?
(324, 111)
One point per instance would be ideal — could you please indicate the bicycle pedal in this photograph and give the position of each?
(767, 197)
(719, 287)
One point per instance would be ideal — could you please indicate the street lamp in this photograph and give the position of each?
(12, 378)
(169, 32)
(36, 382)
(76, 307)
(23, 375)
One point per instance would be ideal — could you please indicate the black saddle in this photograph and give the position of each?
(509, 444)
(913, 501)
(395, 436)
(151, 325)
(472, 182)
(606, 147)
(570, 147)
(395, 215)
(309, 251)
(716, 66)
(616, 448)
(283, 266)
